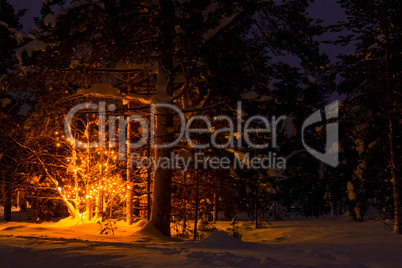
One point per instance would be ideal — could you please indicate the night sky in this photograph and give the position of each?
(33, 7)
(328, 10)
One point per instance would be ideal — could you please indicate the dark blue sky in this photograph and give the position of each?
(328, 10)
(33, 7)
(325, 9)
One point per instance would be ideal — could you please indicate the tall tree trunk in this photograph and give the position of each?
(130, 184)
(196, 207)
(99, 203)
(104, 198)
(149, 186)
(89, 205)
(216, 201)
(18, 200)
(161, 205)
(6, 194)
(130, 195)
(394, 179)
(185, 218)
(257, 217)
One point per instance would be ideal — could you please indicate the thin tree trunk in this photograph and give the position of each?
(89, 206)
(185, 218)
(257, 225)
(149, 186)
(18, 200)
(394, 179)
(111, 209)
(105, 202)
(99, 203)
(196, 208)
(77, 192)
(129, 217)
(6, 194)
(215, 213)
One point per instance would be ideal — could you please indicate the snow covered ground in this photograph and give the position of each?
(321, 242)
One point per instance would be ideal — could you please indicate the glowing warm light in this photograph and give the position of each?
(92, 175)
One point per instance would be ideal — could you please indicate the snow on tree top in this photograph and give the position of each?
(50, 20)
(271, 190)
(4, 102)
(249, 95)
(18, 36)
(374, 46)
(265, 98)
(29, 48)
(288, 128)
(209, 9)
(82, 3)
(312, 80)
(271, 173)
(223, 23)
(58, 12)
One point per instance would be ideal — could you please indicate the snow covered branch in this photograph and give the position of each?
(108, 91)
(223, 23)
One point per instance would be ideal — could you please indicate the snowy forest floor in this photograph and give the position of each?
(318, 242)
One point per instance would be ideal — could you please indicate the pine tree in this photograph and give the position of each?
(10, 39)
(372, 79)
